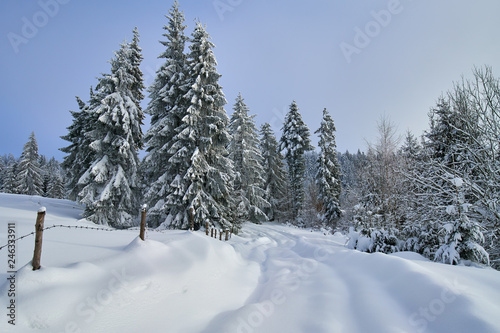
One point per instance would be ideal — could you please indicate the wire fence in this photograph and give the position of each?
(60, 226)
(228, 232)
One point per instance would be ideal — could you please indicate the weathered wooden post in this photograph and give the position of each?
(220, 234)
(212, 232)
(143, 221)
(206, 227)
(37, 253)
(215, 231)
(227, 234)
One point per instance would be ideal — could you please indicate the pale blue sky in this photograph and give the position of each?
(272, 52)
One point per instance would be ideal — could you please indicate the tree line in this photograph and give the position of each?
(200, 165)
(32, 173)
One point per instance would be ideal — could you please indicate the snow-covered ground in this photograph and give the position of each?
(270, 278)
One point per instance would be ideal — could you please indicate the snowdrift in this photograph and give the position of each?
(270, 278)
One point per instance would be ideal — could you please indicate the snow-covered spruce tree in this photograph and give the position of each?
(414, 234)
(328, 173)
(427, 180)
(477, 141)
(295, 142)
(275, 179)
(427, 188)
(10, 172)
(463, 238)
(351, 167)
(248, 185)
(309, 215)
(167, 109)
(201, 190)
(79, 153)
(110, 184)
(57, 189)
(135, 57)
(29, 176)
(3, 169)
(53, 179)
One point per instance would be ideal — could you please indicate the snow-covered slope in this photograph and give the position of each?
(271, 278)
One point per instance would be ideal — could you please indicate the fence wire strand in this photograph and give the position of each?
(60, 226)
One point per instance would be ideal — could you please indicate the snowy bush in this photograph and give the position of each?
(423, 239)
(374, 240)
(462, 242)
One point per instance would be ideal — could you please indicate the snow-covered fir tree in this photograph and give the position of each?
(462, 241)
(295, 142)
(201, 190)
(328, 173)
(28, 174)
(3, 169)
(249, 192)
(310, 213)
(57, 187)
(416, 236)
(9, 174)
(275, 178)
(463, 237)
(53, 183)
(427, 190)
(110, 185)
(167, 109)
(79, 153)
(135, 58)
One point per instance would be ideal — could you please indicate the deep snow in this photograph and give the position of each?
(270, 278)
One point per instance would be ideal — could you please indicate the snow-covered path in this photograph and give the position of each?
(270, 278)
(311, 283)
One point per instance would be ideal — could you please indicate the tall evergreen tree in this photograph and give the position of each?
(295, 142)
(202, 188)
(110, 184)
(244, 151)
(167, 109)
(53, 179)
(135, 58)
(328, 174)
(463, 237)
(275, 179)
(10, 172)
(29, 176)
(78, 157)
(3, 170)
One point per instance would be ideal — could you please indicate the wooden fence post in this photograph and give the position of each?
(206, 228)
(215, 230)
(227, 234)
(37, 253)
(143, 221)
(220, 234)
(212, 232)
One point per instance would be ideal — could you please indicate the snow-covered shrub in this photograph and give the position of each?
(462, 241)
(374, 240)
(423, 239)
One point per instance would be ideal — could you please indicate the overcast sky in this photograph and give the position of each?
(358, 59)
